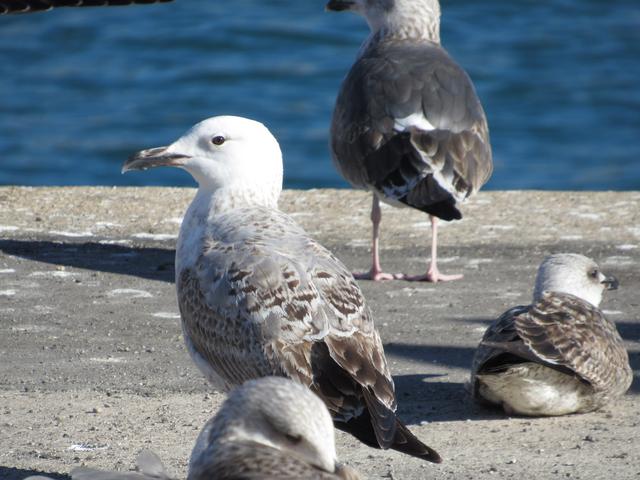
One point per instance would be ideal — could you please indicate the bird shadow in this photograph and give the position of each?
(452, 356)
(11, 473)
(145, 262)
(432, 397)
(423, 398)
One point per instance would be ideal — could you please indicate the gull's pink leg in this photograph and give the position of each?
(433, 274)
(376, 273)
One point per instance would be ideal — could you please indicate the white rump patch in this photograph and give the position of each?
(417, 120)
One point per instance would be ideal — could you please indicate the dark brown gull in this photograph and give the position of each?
(259, 297)
(31, 6)
(408, 124)
(560, 354)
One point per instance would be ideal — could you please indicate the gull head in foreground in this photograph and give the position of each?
(271, 426)
(259, 297)
(560, 354)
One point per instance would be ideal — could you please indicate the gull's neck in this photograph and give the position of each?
(548, 285)
(416, 23)
(211, 202)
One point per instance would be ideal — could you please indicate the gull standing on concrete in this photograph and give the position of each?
(31, 6)
(267, 428)
(407, 123)
(259, 297)
(558, 355)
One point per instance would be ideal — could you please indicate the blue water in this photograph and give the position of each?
(81, 89)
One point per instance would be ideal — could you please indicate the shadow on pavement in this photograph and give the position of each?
(145, 262)
(453, 356)
(10, 473)
(430, 398)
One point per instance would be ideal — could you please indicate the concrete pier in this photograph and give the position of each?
(93, 367)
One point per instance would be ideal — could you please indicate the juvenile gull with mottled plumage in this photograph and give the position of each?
(407, 123)
(259, 297)
(558, 355)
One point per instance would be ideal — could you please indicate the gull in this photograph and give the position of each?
(259, 297)
(31, 6)
(407, 123)
(560, 354)
(271, 427)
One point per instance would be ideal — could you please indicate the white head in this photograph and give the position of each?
(272, 411)
(408, 18)
(574, 274)
(231, 153)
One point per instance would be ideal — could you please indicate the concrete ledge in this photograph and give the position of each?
(93, 367)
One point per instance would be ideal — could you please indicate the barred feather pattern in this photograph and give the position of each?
(564, 333)
(263, 297)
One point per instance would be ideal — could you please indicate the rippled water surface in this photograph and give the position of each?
(80, 89)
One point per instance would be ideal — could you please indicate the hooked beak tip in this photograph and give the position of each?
(153, 157)
(611, 282)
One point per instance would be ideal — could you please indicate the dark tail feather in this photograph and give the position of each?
(406, 442)
(378, 427)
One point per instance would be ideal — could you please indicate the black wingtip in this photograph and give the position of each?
(403, 440)
(406, 442)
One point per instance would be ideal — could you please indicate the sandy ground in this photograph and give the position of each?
(93, 367)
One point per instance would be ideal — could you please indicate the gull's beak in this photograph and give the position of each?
(339, 5)
(154, 157)
(611, 282)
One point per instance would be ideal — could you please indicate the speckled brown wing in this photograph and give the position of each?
(500, 347)
(567, 331)
(562, 332)
(501, 332)
(408, 124)
(254, 461)
(263, 298)
(30, 6)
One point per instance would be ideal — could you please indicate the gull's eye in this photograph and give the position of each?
(594, 273)
(295, 439)
(218, 140)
